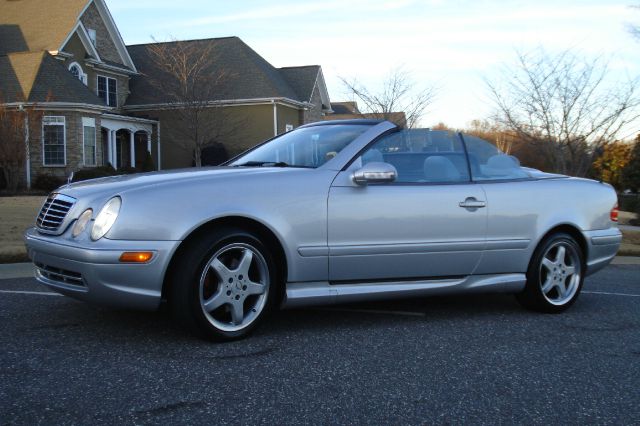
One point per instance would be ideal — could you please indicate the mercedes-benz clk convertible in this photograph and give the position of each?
(336, 211)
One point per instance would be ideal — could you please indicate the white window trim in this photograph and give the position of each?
(108, 78)
(91, 123)
(93, 36)
(63, 122)
(83, 75)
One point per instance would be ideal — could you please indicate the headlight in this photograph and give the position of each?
(81, 223)
(106, 218)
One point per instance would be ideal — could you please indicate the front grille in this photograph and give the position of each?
(60, 275)
(54, 211)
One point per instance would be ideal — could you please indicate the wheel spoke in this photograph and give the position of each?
(562, 288)
(570, 270)
(560, 255)
(221, 270)
(237, 312)
(548, 263)
(214, 302)
(548, 285)
(254, 288)
(245, 262)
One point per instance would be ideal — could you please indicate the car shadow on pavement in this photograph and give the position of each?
(90, 323)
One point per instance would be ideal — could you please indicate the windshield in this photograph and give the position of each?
(304, 147)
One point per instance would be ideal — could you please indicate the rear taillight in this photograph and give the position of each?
(614, 213)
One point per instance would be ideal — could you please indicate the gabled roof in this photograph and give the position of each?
(348, 107)
(39, 77)
(33, 25)
(250, 75)
(302, 79)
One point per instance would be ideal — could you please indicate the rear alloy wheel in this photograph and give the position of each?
(555, 275)
(223, 284)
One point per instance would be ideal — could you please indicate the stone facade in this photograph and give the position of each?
(75, 48)
(105, 46)
(74, 145)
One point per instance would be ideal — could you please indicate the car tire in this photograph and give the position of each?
(223, 284)
(555, 275)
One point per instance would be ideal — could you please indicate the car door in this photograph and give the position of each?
(429, 223)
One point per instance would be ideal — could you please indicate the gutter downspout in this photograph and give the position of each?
(275, 118)
(26, 147)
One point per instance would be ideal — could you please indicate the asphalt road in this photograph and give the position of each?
(478, 359)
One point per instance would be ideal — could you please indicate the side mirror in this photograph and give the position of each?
(375, 172)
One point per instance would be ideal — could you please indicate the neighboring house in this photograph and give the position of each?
(67, 59)
(349, 110)
(270, 100)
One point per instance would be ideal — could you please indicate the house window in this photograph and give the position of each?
(76, 71)
(107, 90)
(92, 36)
(53, 141)
(89, 141)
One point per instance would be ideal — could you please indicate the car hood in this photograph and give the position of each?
(118, 184)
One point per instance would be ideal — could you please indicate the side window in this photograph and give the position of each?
(489, 163)
(421, 156)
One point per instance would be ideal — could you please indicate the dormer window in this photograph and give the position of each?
(76, 70)
(92, 36)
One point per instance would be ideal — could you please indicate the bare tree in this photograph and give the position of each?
(399, 94)
(564, 105)
(192, 79)
(634, 29)
(16, 126)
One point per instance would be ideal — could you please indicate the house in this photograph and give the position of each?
(67, 59)
(266, 100)
(349, 110)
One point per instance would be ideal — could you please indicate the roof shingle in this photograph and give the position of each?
(38, 77)
(250, 75)
(33, 25)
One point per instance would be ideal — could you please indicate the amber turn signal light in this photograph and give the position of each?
(136, 256)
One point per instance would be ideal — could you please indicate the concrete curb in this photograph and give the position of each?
(16, 270)
(626, 260)
(26, 270)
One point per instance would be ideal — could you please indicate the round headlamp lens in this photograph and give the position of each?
(106, 218)
(81, 223)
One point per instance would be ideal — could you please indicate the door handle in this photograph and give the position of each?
(472, 203)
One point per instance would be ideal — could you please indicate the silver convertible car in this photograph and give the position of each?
(337, 211)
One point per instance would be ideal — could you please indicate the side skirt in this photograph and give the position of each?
(323, 293)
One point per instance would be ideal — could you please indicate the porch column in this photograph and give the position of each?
(132, 147)
(149, 142)
(109, 153)
(114, 149)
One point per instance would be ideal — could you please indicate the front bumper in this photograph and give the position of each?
(602, 246)
(91, 271)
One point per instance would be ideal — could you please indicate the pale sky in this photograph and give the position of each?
(450, 44)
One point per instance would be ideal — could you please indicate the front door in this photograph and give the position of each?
(430, 223)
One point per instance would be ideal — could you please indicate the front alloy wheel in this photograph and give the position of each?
(234, 286)
(223, 283)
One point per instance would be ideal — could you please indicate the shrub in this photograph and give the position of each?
(148, 165)
(127, 171)
(48, 183)
(93, 173)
